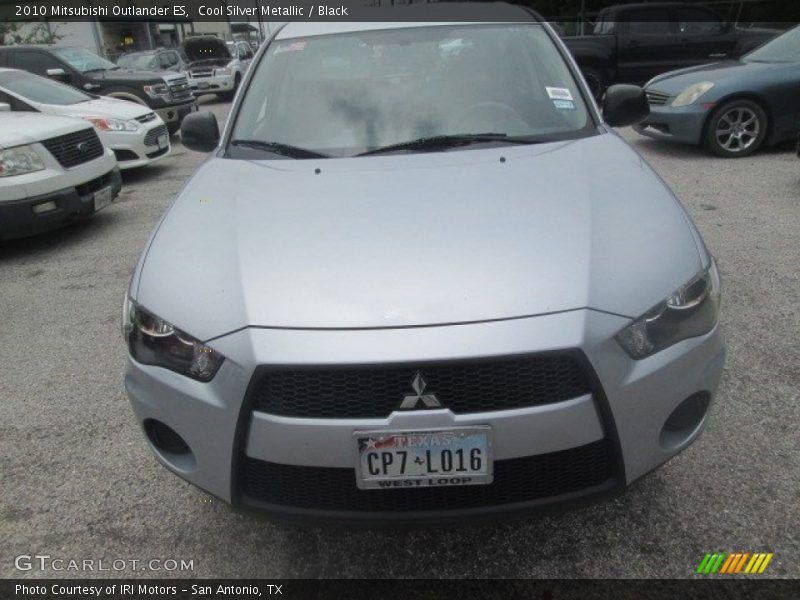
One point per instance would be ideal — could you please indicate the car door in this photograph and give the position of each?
(43, 64)
(702, 36)
(645, 44)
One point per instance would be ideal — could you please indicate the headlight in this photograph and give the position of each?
(223, 71)
(154, 341)
(158, 90)
(691, 311)
(691, 94)
(19, 160)
(106, 124)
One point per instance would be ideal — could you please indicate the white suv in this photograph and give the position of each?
(53, 170)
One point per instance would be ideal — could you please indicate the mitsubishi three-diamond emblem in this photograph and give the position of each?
(412, 400)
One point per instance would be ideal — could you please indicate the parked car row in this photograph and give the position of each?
(166, 93)
(210, 65)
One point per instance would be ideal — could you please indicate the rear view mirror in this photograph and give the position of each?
(625, 105)
(200, 132)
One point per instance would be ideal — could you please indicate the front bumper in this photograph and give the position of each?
(684, 125)
(214, 84)
(624, 413)
(20, 218)
(138, 148)
(173, 114)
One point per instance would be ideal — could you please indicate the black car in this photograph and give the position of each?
(633, 42)
(167, 93)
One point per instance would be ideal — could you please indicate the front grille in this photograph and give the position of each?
(90, 187)
(202, 72)
(157, 153)
(656, 98)
(463, 387)
(151, 138)
(146, 118)
(180, 90)
(515, 480)
(76, 148)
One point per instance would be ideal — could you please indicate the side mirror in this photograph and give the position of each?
(200, 132)
(58, 73)
(625, 105)
(4, 107)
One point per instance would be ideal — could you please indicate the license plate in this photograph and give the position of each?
(102, 198)
(203, 85)
(424, 458)
(162, 141)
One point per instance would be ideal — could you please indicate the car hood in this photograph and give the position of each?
(19, 128)
(205, 47)
(418, 239)
(103, 107)
(675, 82)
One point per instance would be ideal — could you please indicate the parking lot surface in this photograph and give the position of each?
(78, 481)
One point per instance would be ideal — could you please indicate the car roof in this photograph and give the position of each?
(495, 12)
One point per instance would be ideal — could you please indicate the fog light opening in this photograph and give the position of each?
(684, 421)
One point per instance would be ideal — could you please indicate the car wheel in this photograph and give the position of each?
(596, 80)
(736, 128)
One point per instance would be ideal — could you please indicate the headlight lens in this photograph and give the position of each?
(691, 311)
(107, 124)
(153, 341)
(156, 91)
(223, 71)
(19, 160)
(691, 94)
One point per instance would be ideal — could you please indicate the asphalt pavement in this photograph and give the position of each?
(78, 481)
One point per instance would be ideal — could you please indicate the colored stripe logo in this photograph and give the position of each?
(731, 563)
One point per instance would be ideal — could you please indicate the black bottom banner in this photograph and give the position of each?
(408, 589)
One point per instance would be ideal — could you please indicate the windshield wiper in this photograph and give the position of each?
(279, 148)
(439, 142)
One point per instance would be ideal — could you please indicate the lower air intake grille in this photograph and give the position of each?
(516, 480)
(463, 387)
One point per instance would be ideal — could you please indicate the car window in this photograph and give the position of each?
(783, 49)
(344, 94)
(15, 103)
(84, 61)
(40, 90)
(138, 61)
(698, 21)
(36, 62)
(648, 22)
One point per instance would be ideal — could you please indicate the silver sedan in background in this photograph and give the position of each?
(413, 284)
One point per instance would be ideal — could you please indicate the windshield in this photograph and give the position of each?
(84, 61)
(784, 48)
(137, 61)
(345, 94)
(40, 90)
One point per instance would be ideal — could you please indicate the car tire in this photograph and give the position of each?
(173, 127)
(736, 129)
(596, 80)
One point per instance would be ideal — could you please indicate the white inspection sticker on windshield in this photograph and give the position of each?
(557, 93)
(564, 104)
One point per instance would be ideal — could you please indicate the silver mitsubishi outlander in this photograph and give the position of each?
(420, 278)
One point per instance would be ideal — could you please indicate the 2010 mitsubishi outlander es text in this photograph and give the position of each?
(420, 278)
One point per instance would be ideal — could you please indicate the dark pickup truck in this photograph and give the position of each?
(634, 42)
(167, 93)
